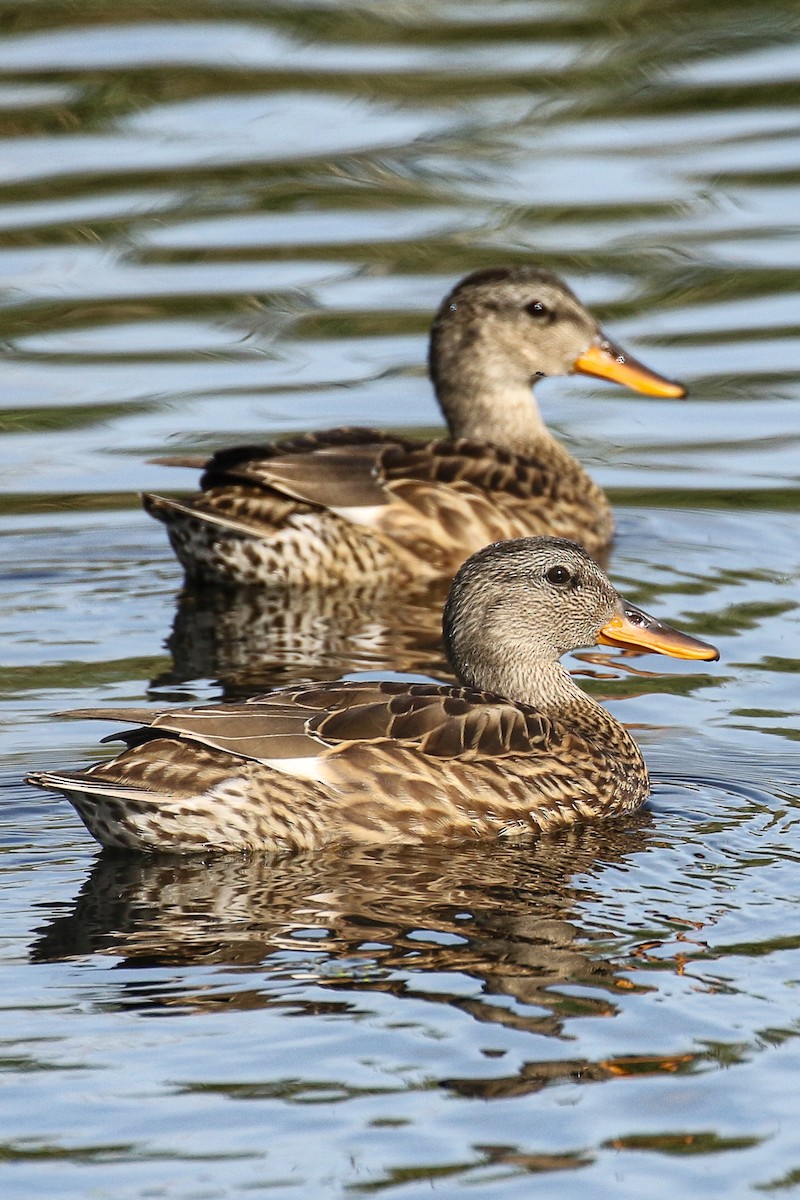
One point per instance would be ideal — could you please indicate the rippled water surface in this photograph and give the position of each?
(233, 220)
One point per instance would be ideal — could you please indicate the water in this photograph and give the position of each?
(234, 220)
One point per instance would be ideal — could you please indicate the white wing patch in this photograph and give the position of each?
(311, 767)
(363, 514)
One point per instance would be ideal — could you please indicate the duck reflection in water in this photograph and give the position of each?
(360, 920)
(252, 640)
(355, 921)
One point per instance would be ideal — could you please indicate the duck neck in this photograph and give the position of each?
(566, 701)
(486, 399)
(571, 708)
(499, 410)
(550, 689)
(544, 685)
(483, 395)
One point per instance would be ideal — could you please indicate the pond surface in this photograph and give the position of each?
(234, 220)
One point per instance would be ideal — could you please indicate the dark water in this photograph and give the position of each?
(230, 220)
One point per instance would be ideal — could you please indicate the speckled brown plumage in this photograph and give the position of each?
(359, 504)
(516, 749)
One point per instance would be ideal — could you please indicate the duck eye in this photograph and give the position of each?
(537, 310)
(558, 575)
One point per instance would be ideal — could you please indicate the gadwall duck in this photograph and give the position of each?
(352, 505)
(517, 749)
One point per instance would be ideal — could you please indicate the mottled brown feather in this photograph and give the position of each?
(385, 761)
(398, 762)
(352, 504)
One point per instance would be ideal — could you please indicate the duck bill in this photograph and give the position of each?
(606, 360)
(633, 629)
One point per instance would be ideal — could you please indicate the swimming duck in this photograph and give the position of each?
(352, 505)
(517, 748)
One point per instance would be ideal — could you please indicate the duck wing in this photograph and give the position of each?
(350, 468)
(478, 465)
(295, 723)
(433, 503)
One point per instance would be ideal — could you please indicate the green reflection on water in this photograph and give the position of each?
(780, 499)
(55, 418)
(79, 674)
(682, 1143)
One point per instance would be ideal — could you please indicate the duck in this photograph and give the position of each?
(515, 748)
(358, 505)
